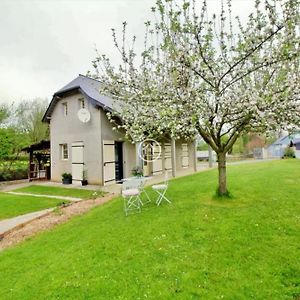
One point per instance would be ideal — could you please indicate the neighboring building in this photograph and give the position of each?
(259, 153)
(296, 143)
(39, 160)
(277, 148)
(82, 139)
(204, 155)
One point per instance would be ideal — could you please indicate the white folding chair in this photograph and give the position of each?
(161, 190)
(131, 196)
(143, 190)
(139, 182)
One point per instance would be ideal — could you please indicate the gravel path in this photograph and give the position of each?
(47, 220)
(8, 224)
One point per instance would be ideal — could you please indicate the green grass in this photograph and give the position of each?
(15, 205)
(199, 247)
(56, 191)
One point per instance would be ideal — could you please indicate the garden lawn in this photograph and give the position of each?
(15, 205)
(56, 191)
(199, 247)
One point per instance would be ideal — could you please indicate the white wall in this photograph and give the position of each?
(69, 129)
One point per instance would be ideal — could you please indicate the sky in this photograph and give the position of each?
(44, 44)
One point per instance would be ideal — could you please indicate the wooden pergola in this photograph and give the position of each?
(39, 160)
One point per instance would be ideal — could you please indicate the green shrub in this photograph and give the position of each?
(67, 176)
(137, 171)
(289, 152)
(97, 194)
(202, 146)
(20, 172)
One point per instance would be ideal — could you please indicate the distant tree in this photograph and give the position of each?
(271, 138)
(12, 141)
(238, 147)
(202, 146)
(207, 74)
(255, 141)
(29, 116)
(4, 112)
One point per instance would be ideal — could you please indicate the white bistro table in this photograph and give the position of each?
(142, 182)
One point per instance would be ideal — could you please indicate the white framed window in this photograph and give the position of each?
(65, 108)
(64, 151)
(81, 103)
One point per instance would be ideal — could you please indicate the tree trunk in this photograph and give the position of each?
(210, 157)
(222, 174)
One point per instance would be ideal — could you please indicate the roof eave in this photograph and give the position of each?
(47, 116)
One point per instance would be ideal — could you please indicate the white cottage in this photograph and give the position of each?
(82, 139)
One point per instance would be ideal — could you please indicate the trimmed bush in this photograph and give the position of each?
(289, 152)
(21, 172)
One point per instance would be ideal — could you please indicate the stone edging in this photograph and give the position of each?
(49, 220)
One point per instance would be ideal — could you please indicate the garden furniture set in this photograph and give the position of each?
(133, 188)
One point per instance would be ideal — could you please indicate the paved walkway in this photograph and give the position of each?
(15, 186)
(73, 199)
(8, 224)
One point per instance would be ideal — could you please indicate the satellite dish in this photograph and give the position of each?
(84, 115)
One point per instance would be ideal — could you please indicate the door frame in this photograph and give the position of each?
(77, 145)
(119, 153)
(105, 163)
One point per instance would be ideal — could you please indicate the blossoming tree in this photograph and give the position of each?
(208, 74)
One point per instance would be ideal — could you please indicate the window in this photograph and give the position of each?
(65, 108)
(64, 151)
(81, 103)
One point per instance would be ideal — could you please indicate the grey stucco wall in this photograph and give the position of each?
(191, 153)
(129, 154)
(129, 157)
(178, 155)
(69, 129)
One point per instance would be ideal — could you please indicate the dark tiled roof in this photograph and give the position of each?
(285, 140)
(280, 140)
(296, 141)
(89, 87)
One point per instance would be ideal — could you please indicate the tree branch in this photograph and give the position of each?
(207, 138)
(268, 64)
(236, 133)
(202, 55)
(200, 75)
(249, 53)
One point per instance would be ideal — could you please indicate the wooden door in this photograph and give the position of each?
(184, 156)
(77, 161)
(157, 163)
(109, 163)
(147, 159)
